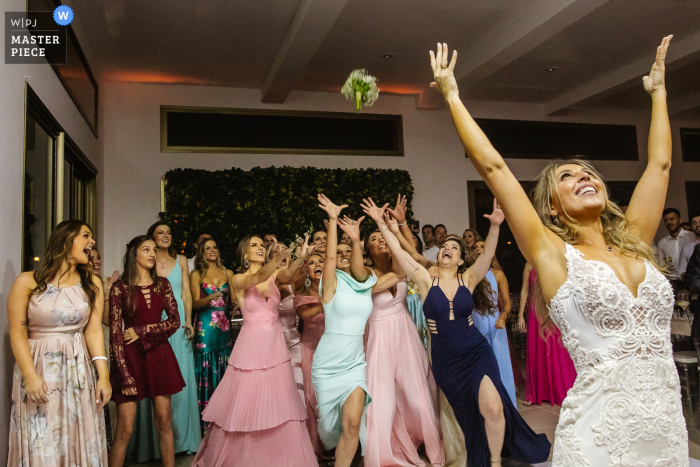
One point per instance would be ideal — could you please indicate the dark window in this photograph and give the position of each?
(692, 195)
(690, 144)
(520, 139)
(266, 131)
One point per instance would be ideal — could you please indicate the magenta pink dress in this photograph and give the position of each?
(550, 370)
(404, 410)
(310, 336)
(256, 417)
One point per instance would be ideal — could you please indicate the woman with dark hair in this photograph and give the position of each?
(255, 416)
(464, 365)
(404, 410)
(186, 429)
(210, 285)
(309, 309)
(319, 237)
(149, 368)
(417, 243)
(55, 316)
(605, 293)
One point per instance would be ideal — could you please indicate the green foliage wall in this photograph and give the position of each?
(230, 204)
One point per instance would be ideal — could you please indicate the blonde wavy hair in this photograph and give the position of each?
(201, 265)
(617, 229)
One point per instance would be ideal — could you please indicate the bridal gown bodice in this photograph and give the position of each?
(625, 407)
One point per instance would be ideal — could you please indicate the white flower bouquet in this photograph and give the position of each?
(361, 88)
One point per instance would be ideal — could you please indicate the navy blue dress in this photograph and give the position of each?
(462, 357)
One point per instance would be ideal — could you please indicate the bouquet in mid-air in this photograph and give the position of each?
(361, 88)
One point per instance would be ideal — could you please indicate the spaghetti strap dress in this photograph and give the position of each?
(143, 444)
(404, 412)
(339, 362)
(310, 337)
(256, 417)
(462, 358)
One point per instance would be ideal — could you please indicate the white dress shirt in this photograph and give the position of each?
(431, 253)
(671, 248)
(686, 253)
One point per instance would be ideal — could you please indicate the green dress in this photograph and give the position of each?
(213, 342)
(143, 445)
(339, 361)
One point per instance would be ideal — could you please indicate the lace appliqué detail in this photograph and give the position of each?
(631, 380)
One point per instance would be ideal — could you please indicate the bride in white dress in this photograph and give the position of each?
(605, 293)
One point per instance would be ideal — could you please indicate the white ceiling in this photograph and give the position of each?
(600, 48)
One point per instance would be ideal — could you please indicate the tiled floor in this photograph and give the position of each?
(542, 419)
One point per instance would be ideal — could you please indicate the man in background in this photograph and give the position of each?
(269, 239)
(430, 251)
(672, 244)
(440, 235)
(687, 250)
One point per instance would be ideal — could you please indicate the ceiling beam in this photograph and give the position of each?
(309, 27)
(517, 34)
(680, 53)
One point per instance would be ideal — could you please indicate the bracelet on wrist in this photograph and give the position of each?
(99, 358)
(404, 223)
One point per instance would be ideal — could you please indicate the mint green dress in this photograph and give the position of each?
(143, 445)
(339, 361)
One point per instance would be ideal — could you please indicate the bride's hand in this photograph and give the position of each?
(444, 74)
(655, 82)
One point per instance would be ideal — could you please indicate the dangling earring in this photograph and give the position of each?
(307, 282)
(246, 263)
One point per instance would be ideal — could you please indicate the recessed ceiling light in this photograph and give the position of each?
(388, 55)
(551, 68)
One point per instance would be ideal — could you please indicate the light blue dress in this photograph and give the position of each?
(143, 444)
(339, 361)
(498, 339)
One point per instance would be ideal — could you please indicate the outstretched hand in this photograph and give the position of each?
(328, 206)
(351, 227)
(280, 253)
(374, 211)
(655, 81)
(444, 74)
(399, 211)
(391, 223)
(496, 217)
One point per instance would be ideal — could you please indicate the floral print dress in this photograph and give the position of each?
(213, 342)
(68, 430)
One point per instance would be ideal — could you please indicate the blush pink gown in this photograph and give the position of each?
(550, 370)
(404, 410)
(310, 336)
(256, 417)
(288, 320)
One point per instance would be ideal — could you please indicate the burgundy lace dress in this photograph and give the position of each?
(149, 364)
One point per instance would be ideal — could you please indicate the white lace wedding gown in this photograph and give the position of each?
(625, 406)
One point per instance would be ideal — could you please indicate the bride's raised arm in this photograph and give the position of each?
(534, 239)
(649, 196)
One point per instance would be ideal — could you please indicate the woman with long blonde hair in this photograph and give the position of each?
(605, 293)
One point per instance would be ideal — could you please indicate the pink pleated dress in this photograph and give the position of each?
(310, 336)
(404, 410)
(256, 418)
(288, 320)
(550, 370)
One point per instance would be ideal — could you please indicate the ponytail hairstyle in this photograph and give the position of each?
(57, 253)
(483, 293)
(129, 276)
(172, 252)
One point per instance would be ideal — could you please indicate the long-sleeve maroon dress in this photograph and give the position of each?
(149, 364)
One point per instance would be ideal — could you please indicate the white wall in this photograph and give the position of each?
(50, 90)
(433, 154)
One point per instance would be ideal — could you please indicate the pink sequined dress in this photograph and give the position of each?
(404, 409)
(310, 336)
(256, 418)
(550, 370)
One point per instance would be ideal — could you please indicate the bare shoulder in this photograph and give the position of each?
(97, 280)
(25, 281)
